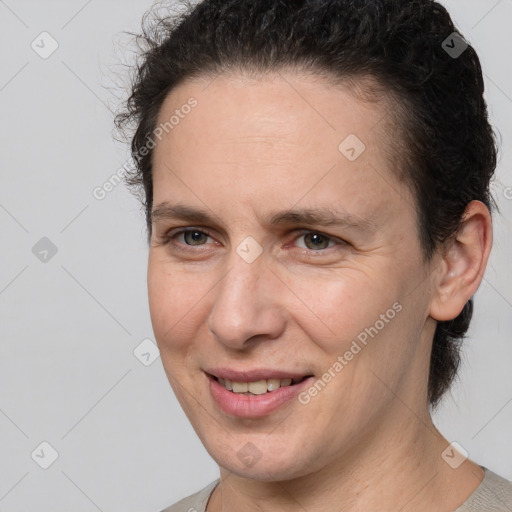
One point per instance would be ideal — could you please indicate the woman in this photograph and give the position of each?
(316, 183)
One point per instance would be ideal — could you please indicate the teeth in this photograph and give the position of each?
(273, 384)
(240, 387)
(258, 387)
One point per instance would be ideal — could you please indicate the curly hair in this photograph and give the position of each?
(445, 150)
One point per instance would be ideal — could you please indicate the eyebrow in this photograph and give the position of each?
(319, 216)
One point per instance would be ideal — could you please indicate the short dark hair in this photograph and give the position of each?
(445, 149)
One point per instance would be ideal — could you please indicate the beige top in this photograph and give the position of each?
(494, 494)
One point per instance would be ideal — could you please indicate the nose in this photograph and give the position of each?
(246, 308)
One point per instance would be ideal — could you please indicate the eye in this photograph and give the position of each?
(194, 237)
(191, 237)
(315, 241)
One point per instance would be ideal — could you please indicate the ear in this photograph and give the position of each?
(463, 263)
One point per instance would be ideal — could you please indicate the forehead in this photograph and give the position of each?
(279, 104)
(282, 133)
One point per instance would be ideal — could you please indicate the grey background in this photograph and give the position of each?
(70, 325)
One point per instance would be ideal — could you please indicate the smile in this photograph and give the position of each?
(257, 387)
(256, 393)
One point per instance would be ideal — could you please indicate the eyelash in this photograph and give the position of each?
(168, 238)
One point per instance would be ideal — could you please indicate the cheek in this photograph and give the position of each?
(175, 301)
(175, 307)
(341, 308)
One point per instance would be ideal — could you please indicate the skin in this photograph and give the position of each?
(366, 441)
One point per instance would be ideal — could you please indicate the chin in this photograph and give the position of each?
(276, 471)
(262, 461)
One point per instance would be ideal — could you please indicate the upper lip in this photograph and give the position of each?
(253, 375)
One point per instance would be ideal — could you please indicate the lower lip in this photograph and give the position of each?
(247, 406)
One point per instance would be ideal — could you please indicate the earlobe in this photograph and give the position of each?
(463, 263)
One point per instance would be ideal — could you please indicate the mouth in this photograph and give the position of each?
(258, 387)
(254, 393)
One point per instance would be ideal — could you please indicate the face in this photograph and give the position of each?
(280, 253)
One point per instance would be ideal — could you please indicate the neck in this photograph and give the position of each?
(401, 468)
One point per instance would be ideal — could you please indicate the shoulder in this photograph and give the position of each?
(494, 494)
(195, 502)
